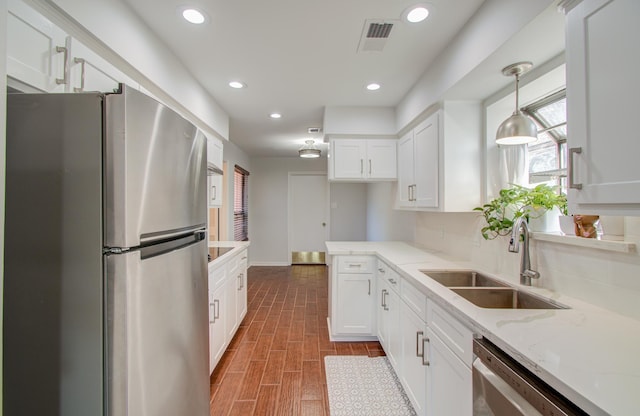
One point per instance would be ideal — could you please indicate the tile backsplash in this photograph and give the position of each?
(604, 278)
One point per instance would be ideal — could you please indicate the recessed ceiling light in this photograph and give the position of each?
(193, 16)
(275, 115)
(237, 84)
(373, 86)
(417, 14)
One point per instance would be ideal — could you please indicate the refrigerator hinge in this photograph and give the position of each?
(116, 250)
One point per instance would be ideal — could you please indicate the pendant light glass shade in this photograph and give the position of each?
(517, 129)
(309, 150)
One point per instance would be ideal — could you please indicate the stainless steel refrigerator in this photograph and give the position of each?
(105, 267)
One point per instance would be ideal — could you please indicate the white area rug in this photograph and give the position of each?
(363, 386)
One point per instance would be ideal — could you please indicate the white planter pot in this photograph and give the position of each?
(546, 222)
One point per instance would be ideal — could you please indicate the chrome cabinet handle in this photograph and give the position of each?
(82, 72)
(65, 75)
(573, 151)
(241, 276)
(215, 192)
(212, 305)
(381, 270)
(425, 361)
(216, 315)
(369, 166)
(369, 291)
(419, 335)
(384, 299)
(392, 281)
(361, 166)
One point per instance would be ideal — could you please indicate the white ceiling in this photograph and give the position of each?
(298, 56)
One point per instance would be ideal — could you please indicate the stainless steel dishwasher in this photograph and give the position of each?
(503, 387)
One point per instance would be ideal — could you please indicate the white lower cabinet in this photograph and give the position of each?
(353, 295)
(449, 389)
(227, 303)
(217, 330)
(413, 331)
(388, 315)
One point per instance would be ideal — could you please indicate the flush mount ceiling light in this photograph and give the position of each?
(517, 129)
(309, 150)
(417, 13)
(373, 86)
(193, 16)
(275, 115)
(237, 84)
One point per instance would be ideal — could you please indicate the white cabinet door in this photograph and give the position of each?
(230, 308)
(425, 165)
(90, 72)
(214, 152)
(217, 331)
(215, 190)
(449, 388)
(382, 313)
(349, 157)
(241, 304)
(414, 365)
(381, 159)
(36, 53)
(355, 303)
(601, 107)
(394, 352)
(405, 170)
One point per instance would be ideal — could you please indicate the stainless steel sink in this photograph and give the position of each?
(505, 298)
(463, 278)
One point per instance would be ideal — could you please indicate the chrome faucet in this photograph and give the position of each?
(521, 228)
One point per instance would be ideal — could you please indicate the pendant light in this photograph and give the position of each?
(517, 129)
(309, 150)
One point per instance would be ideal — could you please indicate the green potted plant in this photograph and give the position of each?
(512, 203)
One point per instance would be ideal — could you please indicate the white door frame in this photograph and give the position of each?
(290, 205)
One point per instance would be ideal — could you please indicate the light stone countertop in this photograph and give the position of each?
(236, 245)
(587, 353)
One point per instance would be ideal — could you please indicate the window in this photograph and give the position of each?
(240, 204)
(547, 156)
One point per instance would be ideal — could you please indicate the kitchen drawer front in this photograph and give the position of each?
(356, 264)
(454, 334)
(414, 299)
(387, 273)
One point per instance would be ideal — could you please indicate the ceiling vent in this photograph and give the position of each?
(375, 34)
(314, 130)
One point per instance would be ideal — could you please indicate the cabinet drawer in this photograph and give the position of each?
(454, 334)
(356, 264)
(414, 299)
(387, 273)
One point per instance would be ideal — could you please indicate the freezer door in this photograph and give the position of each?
(155, 170)
(157, 331)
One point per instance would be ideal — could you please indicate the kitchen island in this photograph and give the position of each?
(587, 353)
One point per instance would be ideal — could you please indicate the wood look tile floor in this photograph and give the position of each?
(275, 363)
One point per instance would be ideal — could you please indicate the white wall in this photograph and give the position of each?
(348, 207)
(383, 222)
(353, 120)
(603, 278)
(116, 33)
(3, 132)
(494, 24)
(268, 205)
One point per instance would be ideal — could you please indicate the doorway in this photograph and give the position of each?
(308, 217)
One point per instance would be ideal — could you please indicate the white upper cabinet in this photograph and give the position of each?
(214, 179)
(36, 52)
(418, 161)
(602, 88)
(363, 159)
(89, 72)
(439, 161)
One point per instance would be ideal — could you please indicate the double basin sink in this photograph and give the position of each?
(487, 292)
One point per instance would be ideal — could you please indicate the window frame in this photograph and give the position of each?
(240, 204)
